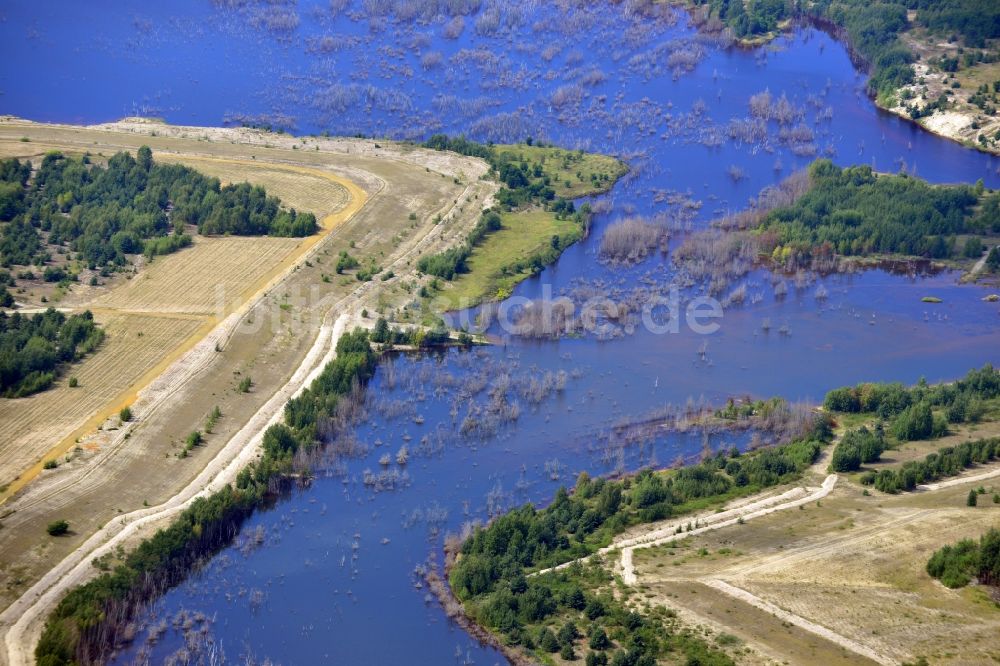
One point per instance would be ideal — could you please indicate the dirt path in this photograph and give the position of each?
(789, 559)
(982, 476)
(978, 267)
(789, 500)
(665, 533)
(798, 621)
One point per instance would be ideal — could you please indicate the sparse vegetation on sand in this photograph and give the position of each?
(490, 567)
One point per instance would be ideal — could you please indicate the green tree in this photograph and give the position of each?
(57, 528)
(547, 641)
(973, 248)
(993, 260)
(972, 498)
(599, 639)
(597, 659)
(381, 331)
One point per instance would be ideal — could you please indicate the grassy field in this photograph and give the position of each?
(523, 234)
(307, 192)
(570, 170)
(573, 175)
(213, 275)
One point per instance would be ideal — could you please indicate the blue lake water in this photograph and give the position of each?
(333, 580)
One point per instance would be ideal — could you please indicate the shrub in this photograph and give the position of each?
(857, 447)
(57, 528)
(956, 565)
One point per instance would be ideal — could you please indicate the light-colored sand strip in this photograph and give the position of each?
(732, 516)
(982, 476)
(751, 512)
(801, 622)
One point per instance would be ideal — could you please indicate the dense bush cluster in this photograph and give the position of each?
(130, 206)
(452, 261)
(851, 211)
(748, 19)
(909, 410)
(856, 448)
(87, 622)
(956, 565)
(415, 336)
(889, 399)
(974, 20)
(33, 349)
(911, 417)
(948, 461)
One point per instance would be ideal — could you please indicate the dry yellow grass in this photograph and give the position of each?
(134, 344)
(855, 565)
(302, 191)
(206, 279)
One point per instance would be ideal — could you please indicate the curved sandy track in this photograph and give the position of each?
(794, 498)
(732, 516)
(982, 476)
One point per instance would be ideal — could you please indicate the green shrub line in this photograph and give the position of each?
(909, 413)
(961, 401)
(956, 565)
(947, 461)
(84, 626)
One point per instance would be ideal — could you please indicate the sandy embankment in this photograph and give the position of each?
(28, 613)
